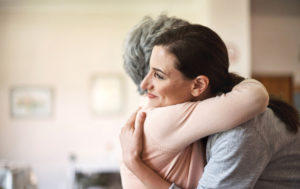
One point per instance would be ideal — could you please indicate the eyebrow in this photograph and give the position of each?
(159, 70)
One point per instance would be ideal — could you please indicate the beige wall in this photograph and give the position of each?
(231, 20)
(63, 46)
(62, 51)
(275, 29)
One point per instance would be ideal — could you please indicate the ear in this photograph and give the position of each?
(199, 85)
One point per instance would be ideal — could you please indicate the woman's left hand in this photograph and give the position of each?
(131, 139)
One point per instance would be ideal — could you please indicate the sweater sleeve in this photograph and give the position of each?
(177, 126)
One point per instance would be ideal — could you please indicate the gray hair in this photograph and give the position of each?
(140, 41)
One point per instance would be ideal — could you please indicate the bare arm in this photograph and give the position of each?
(213, 115)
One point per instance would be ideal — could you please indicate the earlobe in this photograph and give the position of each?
(199, 86)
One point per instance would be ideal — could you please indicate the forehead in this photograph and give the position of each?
(161, 58)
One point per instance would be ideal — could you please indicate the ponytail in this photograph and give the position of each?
(231, 80)
(285, 112)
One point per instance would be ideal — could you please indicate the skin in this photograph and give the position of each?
(165, 85)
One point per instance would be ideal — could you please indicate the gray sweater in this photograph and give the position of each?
(258, 154)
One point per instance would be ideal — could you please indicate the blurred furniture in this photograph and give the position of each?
(98, 180)
(280, 86)
(96, 176)
(13, 176)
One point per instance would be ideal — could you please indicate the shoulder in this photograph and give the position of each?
(251, 133)
(240, 153)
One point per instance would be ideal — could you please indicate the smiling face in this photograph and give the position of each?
(165, 85)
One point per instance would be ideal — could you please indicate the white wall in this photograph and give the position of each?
(63, 46)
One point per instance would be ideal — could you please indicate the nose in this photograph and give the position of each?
(146, 83)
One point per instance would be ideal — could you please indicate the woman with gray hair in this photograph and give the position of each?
(139, 44)
(188, 71)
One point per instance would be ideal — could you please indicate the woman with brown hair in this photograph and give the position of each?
(192, 62)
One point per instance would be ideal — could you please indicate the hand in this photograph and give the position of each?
(131, 139)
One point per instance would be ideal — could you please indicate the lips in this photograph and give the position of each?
(151, 95)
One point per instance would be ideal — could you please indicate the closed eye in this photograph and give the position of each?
(158, 76)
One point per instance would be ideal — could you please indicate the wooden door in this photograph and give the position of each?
(280, 86)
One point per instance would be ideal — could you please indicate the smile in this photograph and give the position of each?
(151, 95)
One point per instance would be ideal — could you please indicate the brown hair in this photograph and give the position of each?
(200, 51)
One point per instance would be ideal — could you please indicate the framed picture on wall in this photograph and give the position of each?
(107, 93)
(31, 102)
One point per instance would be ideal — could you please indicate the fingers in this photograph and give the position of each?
(131, 120)
(129, 127)
(139, 123)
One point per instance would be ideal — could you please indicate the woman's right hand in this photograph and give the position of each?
(131, 139)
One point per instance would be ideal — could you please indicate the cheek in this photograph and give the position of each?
(179, 93)
(169, 93)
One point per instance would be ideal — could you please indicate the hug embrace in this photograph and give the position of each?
(202, 126)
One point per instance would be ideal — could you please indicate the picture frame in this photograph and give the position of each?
(107, 94)
(31, 102)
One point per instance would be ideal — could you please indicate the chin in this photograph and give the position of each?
(152, 104)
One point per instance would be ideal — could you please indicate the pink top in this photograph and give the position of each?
(171, 132)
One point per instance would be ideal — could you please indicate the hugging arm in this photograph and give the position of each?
(246, 100)
(209, 116)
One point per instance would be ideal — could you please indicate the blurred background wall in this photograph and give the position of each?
(275, 47)
(63, 44)
(275, 29)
